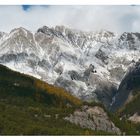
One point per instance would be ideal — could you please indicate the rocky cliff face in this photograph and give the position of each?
(94, 118)
(90, 65)
(130, 82)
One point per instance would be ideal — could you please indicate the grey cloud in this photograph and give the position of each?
(88, 18)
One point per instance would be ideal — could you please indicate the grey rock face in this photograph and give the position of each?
(102, 56)
(44, 64)
(130, 40)
(117, 73)
(94, 118)
(129, 82)
(105, 90)
(2, 34)
(88, 71)
(64, 33)
(13, 57)
(69, 85)
(105, 94)
(74, 75)
(135, 118)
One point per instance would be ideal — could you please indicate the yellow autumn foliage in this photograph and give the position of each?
(58, 92)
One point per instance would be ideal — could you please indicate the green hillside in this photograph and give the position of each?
(29, 106)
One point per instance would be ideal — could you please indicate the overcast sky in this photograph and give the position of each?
(88, 18)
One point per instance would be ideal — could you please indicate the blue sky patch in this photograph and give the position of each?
(26, 7)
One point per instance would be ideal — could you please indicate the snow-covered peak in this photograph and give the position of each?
(19, 40)
(60, 29)
(19, 32)
(105, 33)
(44, 29)
(129, 41)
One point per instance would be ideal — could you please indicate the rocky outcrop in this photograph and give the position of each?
(130, 40)
(74, 75)
(2, 34)
(102, 56)
(13, 57)
(117, 73)
(130, 82)
(94, 118)
(135, 118)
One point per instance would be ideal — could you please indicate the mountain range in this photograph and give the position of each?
(89, 65)
(101, 66)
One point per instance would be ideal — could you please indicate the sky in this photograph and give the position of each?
(87, 18)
